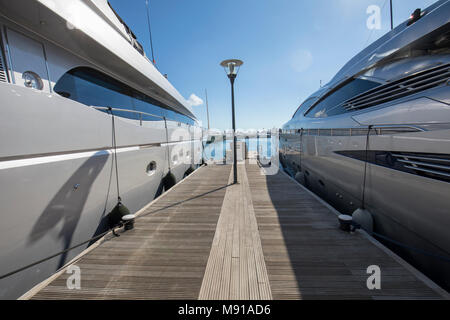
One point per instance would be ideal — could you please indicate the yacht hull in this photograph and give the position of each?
(58, 178)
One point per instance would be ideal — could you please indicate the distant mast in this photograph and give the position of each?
(150, 31)
(207, 110)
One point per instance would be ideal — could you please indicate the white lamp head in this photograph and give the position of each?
(231, 67)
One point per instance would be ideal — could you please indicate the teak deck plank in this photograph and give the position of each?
(235, 233)
(264, 238)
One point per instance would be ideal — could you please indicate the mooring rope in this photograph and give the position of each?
(115, 153)
(366, 156)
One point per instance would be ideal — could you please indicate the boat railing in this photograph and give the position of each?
(140, 114)
(131, 111)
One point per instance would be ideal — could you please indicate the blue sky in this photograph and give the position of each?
(288, 47)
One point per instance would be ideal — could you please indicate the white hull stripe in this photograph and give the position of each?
(180, 142)
(57, 158)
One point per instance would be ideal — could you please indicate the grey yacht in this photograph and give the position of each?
(377, 137)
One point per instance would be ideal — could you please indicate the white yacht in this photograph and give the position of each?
(76, 90)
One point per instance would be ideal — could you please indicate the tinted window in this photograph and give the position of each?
(148, 105)
(175, 116)
(303, 107)
(331, 105)
(92, 88)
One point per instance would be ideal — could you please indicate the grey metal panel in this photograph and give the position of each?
(441, 94)
(407, 66)
(3, 72)
(46, 215)
(73, 126)
(27, 55)
(417, 111)
(402, 36)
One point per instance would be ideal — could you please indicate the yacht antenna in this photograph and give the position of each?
(392, 17)
(150, 31)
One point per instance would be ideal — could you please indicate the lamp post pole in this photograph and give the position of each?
(232, 77)
(231, 67)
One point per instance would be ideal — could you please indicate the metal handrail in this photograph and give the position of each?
(129, 110)
(139, 112)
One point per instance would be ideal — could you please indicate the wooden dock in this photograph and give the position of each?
(264, 238)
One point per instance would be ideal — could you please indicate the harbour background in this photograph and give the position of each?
(216, 150)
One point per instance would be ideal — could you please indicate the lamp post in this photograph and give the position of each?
(231, 67)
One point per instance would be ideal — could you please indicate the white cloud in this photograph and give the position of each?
(194, 100)
(301, 60)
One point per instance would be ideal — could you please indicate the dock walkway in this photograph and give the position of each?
(264, 238)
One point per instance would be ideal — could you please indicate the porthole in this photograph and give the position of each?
(151, 168)
(32, 80)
